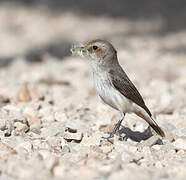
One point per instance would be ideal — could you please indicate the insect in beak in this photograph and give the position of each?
(79, 50)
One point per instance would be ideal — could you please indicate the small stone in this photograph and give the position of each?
(14, 114)
(30, 110)
(33, 122)
(181, 152)
(156, 147)
(182, 132)
(24, 94)
(65, 149)
(10, 108)
(139, 127)
(13, 141)
(180, 143)
(92, 139)
(77, 137)
(54, 141)
(146, 150)
(65, 146)
(60, 115)
(150, 142)
(113, 155)
(106, 149)
(127, 156)
(8, 129)
(36, 94)
(56, 129)
(169, 137)
(71, 130)
(35, 131)
(20, 127)
(106, 128)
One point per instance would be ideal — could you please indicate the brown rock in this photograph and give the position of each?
(24, 93)
(36, 94)
(33, 122)
(106, 128)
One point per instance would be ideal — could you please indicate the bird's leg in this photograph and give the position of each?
(117, 125)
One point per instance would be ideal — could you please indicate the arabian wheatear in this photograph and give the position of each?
(112, 84)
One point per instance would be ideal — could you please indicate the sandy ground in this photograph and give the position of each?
(52, 122)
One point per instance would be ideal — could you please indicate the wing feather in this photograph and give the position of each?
(123, 84)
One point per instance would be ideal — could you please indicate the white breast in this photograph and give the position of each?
(110, 95)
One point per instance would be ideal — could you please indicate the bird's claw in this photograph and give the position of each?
(123, 138)
(110, 136)
(108, 139)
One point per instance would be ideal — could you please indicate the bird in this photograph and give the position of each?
(112, 83)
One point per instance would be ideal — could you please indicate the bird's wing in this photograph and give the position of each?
(123, 84)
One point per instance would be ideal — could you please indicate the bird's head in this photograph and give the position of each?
(97, 50)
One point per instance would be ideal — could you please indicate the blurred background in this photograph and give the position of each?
(32, 27)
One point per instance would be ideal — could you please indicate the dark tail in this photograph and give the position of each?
(156, 128)
(152, 123)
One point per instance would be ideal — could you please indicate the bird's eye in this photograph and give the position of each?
(94, 47)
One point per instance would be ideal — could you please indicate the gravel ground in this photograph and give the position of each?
(51, 120)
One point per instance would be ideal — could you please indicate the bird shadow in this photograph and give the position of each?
(126, 133)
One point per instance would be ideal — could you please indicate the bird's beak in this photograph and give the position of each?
(79, 50)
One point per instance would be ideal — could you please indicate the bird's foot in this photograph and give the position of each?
(111, 135)
(108, 139)
(116, 129)
(123, 138)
